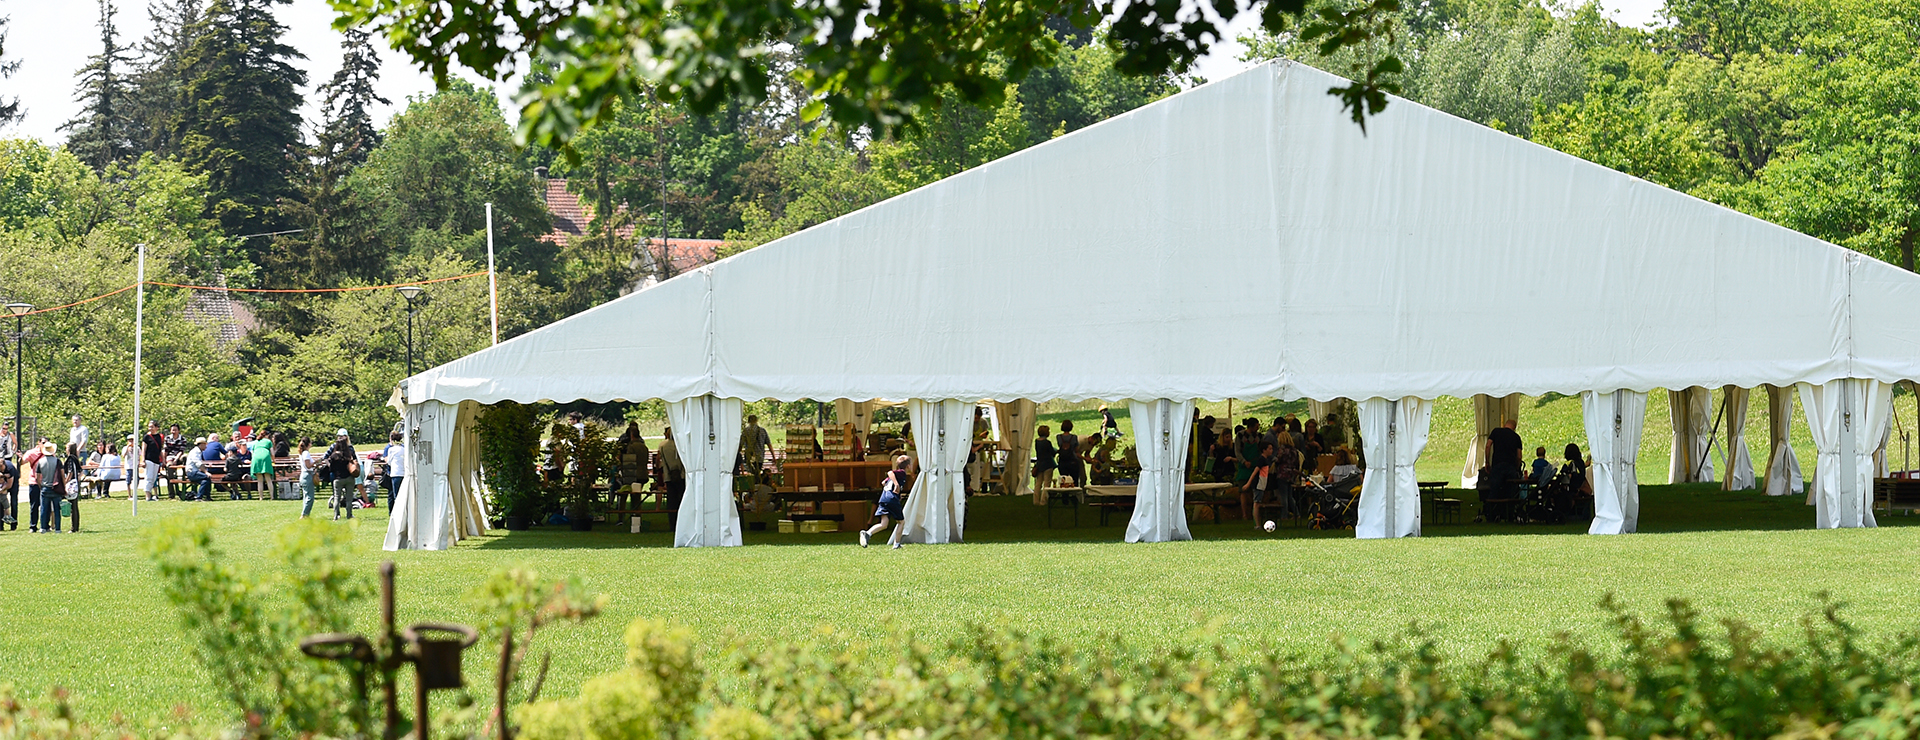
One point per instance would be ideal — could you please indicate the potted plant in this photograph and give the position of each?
(593, 453)
(509, 447)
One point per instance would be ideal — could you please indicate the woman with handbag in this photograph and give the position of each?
(344, 464)
(71, 468)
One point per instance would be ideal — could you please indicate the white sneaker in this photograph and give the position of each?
(896, 546)
(863, 538)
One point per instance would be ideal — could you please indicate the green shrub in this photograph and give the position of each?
(1677, 677)
(509, 445)
(245, 625)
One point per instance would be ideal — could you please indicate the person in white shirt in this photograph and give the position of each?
(308, 462)
(77, 434)
(672, 476)
(396, 457)
(197, 472)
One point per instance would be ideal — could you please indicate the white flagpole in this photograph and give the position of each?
(493, 285)
(139, 326)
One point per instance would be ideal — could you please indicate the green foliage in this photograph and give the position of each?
(103, 132)
(245, 625)
(240, 122)
(509, 447)
(653, 697)
(878, 69)
(1676, 677)
(425, 189)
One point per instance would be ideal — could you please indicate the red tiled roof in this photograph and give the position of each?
(571, 217)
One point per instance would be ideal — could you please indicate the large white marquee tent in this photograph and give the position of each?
(1240, 240)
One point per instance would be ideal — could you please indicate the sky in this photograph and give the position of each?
(53, 38)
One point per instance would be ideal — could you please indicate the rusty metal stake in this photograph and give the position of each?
(504, 680)
(390, 652)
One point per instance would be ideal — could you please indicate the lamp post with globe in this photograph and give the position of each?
(411, 293)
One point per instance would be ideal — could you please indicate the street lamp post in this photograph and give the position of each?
(411, 293)
(19, 311)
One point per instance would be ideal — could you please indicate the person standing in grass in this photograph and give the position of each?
(30, 467)
(1045, 461)
(892, 501)
(344, 464)
(78, 435)
(672, 476)
(10, 490)
(1071, 466)
(753, 446)
(308, 467)
(396, 457)
(261, 449)
(71, 470)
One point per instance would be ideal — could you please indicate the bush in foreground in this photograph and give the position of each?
(1675, 677)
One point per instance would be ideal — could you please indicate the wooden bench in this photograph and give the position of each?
(1896, 494)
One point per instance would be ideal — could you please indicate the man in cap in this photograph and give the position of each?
(53, 489)
(197, 472)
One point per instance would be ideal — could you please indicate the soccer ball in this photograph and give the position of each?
(1268, 526)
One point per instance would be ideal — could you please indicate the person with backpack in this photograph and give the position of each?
(343, 463)
(892, 504)
(71, 469)
(1070, 464)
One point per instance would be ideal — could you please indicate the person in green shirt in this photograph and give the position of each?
(261, 448)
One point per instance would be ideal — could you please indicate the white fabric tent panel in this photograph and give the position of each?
(1249, 207)
(652, 344)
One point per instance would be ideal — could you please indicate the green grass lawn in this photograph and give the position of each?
(83, 611)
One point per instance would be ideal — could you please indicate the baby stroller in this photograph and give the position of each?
(1334, 505)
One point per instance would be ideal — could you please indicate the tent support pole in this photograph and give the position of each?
(1712, 437)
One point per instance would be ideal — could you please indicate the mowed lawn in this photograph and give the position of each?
(83, 611)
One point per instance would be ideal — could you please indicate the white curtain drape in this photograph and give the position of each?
(1848, 418)
(441, 499)
(1016, 432)
(1489, 413)
(1739, 460)
(1783, 466)
(1160, 431)
(1691, 410)
(1614, 423)
(857, 413)
(942, 434)
(1394, 432)
(706, 433)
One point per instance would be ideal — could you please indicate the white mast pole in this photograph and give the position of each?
(139, 327)
(493, 284)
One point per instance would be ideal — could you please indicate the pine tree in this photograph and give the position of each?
(159, 86)
(103, 132)
(330, 222)
(349, 132)
(10, 110)
(240, 124)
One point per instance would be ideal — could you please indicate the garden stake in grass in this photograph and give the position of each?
(436, 661)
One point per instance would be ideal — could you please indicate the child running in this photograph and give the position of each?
(890, 504)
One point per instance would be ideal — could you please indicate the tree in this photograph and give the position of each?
(425, 188)
(10, 110)
(241, 120)
(349, 133)
(103, 132)
(328, 220)
(159, 81)
(863, 65)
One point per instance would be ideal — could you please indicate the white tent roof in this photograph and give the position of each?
(1240, 240)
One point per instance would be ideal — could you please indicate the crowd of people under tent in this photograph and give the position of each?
(1286, 465)
(248, 462)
